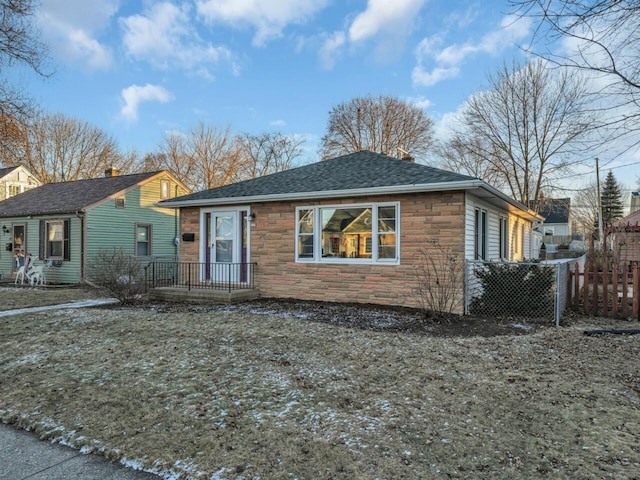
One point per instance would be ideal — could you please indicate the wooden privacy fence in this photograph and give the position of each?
(611, 293)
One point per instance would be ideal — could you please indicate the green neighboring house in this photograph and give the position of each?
(65, 224)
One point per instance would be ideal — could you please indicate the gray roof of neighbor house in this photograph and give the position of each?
(68, 197)
(355, 174)
(555, 210)
(7, 170)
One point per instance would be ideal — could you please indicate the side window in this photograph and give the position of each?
(165, 189)
(504, 238)
(143, 240)
(480, 234)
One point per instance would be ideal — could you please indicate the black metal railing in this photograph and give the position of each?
(215, 276)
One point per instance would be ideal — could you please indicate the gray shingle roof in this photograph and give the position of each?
(7, 170)
(356, 171)
(68, 197)
(555, 210)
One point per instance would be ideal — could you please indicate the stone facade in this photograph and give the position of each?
(425, 219)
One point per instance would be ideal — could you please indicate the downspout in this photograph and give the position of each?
(83, 236)
(176, 237)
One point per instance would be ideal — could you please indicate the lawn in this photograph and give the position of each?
(12, 297)
(241, 393)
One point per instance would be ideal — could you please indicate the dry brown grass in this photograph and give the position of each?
(240, 395)
(12, 297)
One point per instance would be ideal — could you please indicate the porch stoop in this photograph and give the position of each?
(178, 294)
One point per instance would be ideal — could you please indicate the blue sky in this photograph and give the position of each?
(138, 69)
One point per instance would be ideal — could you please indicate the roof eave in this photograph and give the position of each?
(393, 189)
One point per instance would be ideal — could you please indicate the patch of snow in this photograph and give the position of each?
(79, 304)
(522, 326)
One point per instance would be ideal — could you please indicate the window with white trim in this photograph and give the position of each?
(143, 240)
(480, 234)
(361, 233)
(504, 237)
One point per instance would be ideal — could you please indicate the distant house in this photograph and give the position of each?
(625, 238)
(348, 229)
(65, 224)
(635, 201)
(556, 213)
(15, 180)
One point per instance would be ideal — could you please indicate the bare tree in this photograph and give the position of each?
(19, 45)
(598, 36)
(57, 148)
(267, 153)
(204, 158)
(527, 128)
(457, 156)
(381, 124)
(584, 210)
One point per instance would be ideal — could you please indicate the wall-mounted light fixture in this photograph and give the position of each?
(252, 217)
(5, 229)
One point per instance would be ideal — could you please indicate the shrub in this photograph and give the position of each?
(119, 273)
(439, 275)
(514, 289)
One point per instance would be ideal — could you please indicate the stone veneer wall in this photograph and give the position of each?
(426, 216)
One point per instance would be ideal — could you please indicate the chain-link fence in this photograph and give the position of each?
(519, 290)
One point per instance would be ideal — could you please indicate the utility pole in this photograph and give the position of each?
(600, 226)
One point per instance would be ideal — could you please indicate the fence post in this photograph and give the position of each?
(614, 289)
(625, 289)
(189, 276)
(576, 287)
(585, 302)
(636, 291)
(558, 309)
(595, 288)
(466, 286)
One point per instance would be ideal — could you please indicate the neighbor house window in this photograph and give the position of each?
(358, 233)
(143, 240)
(480, 234)
(14, 190)
(54, 240)
(120, 202)
(504, 237)
(165, 190)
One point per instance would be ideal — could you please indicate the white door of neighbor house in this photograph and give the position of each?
(225, 247)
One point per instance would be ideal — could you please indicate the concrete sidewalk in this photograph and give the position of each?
(59, 306)
(24, 456)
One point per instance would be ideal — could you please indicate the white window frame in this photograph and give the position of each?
(503, 237)
(481, 233)
(47, 249)
(165, 189)
(317, 235)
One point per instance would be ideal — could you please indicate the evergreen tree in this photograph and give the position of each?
(612, 207)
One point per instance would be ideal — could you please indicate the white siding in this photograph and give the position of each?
(515, 229)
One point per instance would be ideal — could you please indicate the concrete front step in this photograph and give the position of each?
(201, 295)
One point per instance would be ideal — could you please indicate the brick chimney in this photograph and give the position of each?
(111, 172)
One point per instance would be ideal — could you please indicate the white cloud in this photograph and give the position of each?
(421, 102)
(387, 23)
(278, 123)
(135, 94)
(71, 28)
(268, 17)
(424, 78)
(383, 15)
(164, 36)
(330, 49)
(449, 59)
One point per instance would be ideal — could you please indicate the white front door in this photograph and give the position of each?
(225, 248)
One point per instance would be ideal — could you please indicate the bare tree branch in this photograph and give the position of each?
(382, 124)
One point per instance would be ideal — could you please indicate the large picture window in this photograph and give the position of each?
(356, 233)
